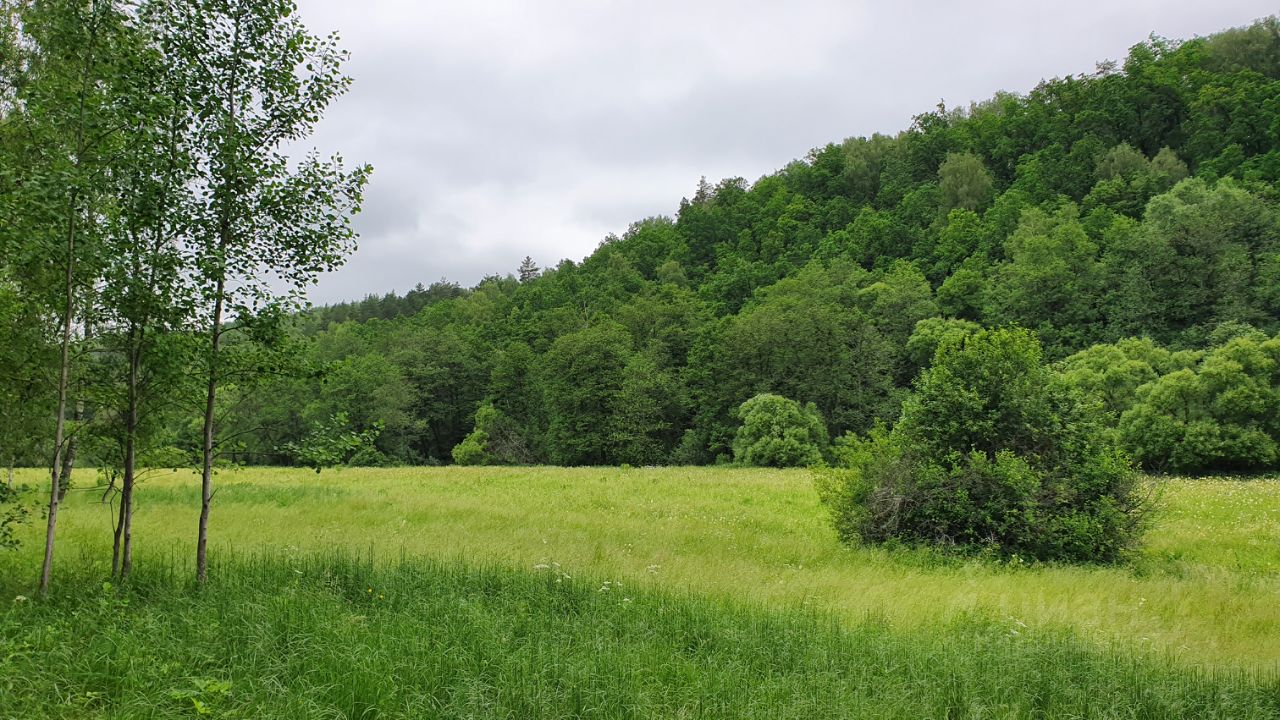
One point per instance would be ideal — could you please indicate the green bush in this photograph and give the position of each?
(994, 451)
(778, 432)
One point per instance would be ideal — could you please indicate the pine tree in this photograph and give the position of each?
(528, 269)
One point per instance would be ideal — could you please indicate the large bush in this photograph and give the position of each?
(778, 432)
(993, 451)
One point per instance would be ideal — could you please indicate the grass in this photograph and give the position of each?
(721, 548)
(335, 637)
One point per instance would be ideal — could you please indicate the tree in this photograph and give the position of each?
(1223, 414)
(474, 448)
(929, 335)
(1122, 161)
(581, 376)
(645, 413)
(334, 442)
(528, 269)
(777, 432)
(1208, 241)
(1050, 281)
(964, 182)
(145, 300)
(992, 451)
(255, 80)
(812, 337)
(67, 62)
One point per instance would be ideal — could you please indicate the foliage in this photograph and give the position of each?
(993, 451)
(1222, 413)
(334, 442)
(778, 432)
(13, 512)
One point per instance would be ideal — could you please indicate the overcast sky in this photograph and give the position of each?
(512, 128)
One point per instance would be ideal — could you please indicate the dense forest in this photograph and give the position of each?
(1128, 217)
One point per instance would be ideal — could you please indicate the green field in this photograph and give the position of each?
(744, 556)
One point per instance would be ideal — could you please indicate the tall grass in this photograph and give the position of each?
(338, 637)
(1206, 589)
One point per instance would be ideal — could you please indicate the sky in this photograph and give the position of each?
(500, 129)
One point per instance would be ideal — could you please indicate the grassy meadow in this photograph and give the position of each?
(696, 591)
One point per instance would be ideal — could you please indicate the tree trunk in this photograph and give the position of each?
(69, 457)
(116, 538)
(136, 336)
(69, 305)
(230, 162)
(211, 397)
(46, 569)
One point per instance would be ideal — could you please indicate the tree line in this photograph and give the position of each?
(154, 237)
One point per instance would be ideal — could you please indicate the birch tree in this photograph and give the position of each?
(61, 137)
(263, 225)
(146, 298)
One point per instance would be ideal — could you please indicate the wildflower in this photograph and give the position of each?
(20, 599)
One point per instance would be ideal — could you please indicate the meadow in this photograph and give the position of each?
(605, 592)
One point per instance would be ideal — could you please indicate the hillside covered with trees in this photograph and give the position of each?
(1128, 217)
(1138, 201)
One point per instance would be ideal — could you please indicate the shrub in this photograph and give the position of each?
(993, 451)
(778, 432)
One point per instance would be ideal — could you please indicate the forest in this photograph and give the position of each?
(1127, 216)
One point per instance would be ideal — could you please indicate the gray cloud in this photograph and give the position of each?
(499, 129)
